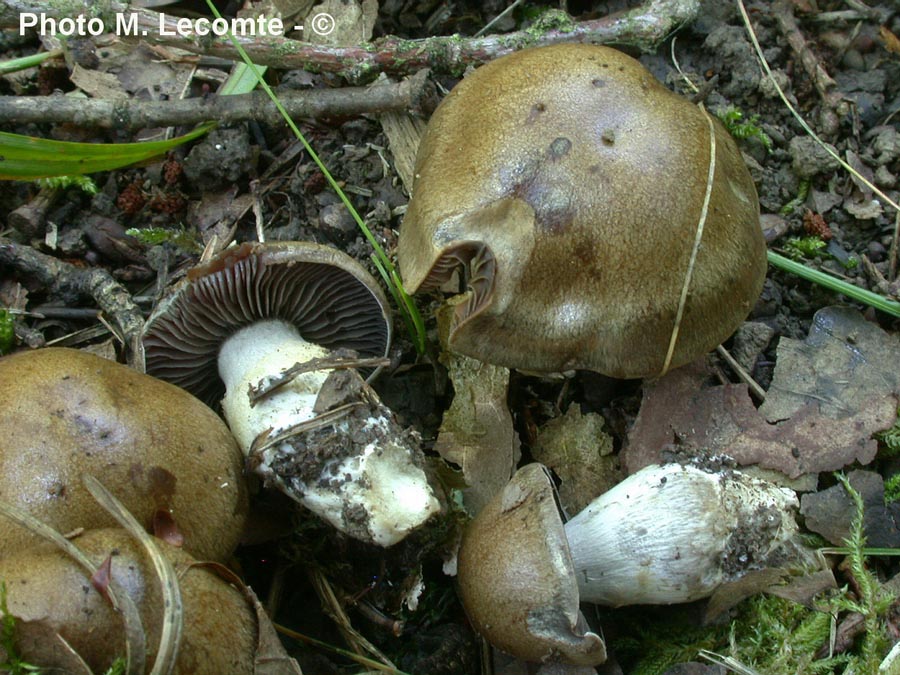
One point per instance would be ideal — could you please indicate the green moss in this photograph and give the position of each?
(286, 47)
(13, 665)
(119, 667)
(774, 635)
(7, 332)
(186, 240)
(651, 640)
(737, 126)
(890, 439)
(83, 183)
(796, 202)
(799, 248)
(552, 19)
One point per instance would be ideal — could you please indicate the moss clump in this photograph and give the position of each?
(741, 128)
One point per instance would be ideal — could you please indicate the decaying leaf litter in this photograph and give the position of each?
(829, 372)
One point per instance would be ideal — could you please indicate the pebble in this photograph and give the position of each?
(809, 158)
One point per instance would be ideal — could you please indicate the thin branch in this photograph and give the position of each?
(827, 88)
(71, 283)
(644, 28)
(410, 94)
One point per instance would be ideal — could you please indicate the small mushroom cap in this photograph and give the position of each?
(516, 577)
(47, 588)
(330, 298)
(570, 182)
(65, 412)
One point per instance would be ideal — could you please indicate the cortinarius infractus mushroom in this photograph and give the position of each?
(274, 321)
(52, 597)
(575, 190)
(163, 453)
(666, 534)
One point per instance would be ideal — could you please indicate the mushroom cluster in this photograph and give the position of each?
(274, 331)
(168, 457)
(602, 221)
(666, 534)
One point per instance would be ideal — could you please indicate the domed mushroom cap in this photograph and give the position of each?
(329, 297)
(49, 590)
(64, 412)
(571, 183)
(516, 576)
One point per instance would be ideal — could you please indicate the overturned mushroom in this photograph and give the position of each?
(603, 222)
(267, 325)
(666, 534)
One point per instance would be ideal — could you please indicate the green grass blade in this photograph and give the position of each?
(23, 62)
(833, 283)
(27, 157)
(242, 80)
(407, 307)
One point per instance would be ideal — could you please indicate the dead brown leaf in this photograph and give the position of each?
(891, 41)
(337, 22)
(578, 449)
(830, 512)
(829, 394)
(843, 363)
(477, 431)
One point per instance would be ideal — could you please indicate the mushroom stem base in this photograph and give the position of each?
(353, 466)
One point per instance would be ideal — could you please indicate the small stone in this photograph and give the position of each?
(876, 251)
(767, 87)
(750, 339)
(884, 178)
(886, 145)
(809, 157)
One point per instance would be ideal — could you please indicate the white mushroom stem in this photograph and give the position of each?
(375, 491)
(254, 353)
(674, 533)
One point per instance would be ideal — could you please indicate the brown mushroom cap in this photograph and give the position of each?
(516, 576)
(47, 587)
(330, 298)
(64, 412)
(571, 183)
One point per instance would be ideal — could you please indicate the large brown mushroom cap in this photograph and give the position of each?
(516, 576)
(48, 588)
(571, 182)
(328, 296)
(64, 412)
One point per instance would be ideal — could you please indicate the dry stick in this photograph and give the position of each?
(643, 27)
(410, 94)
(826, 87)
(71, 283)
(29, 218)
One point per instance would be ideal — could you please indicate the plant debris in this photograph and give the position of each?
(830, 393)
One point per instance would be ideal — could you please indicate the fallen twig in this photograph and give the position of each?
(70, 283)
(643, 28)
(410, 94)
(832, 99)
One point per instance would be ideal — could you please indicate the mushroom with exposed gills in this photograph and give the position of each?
(666, 534)
(274, 331)
(603, 222)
